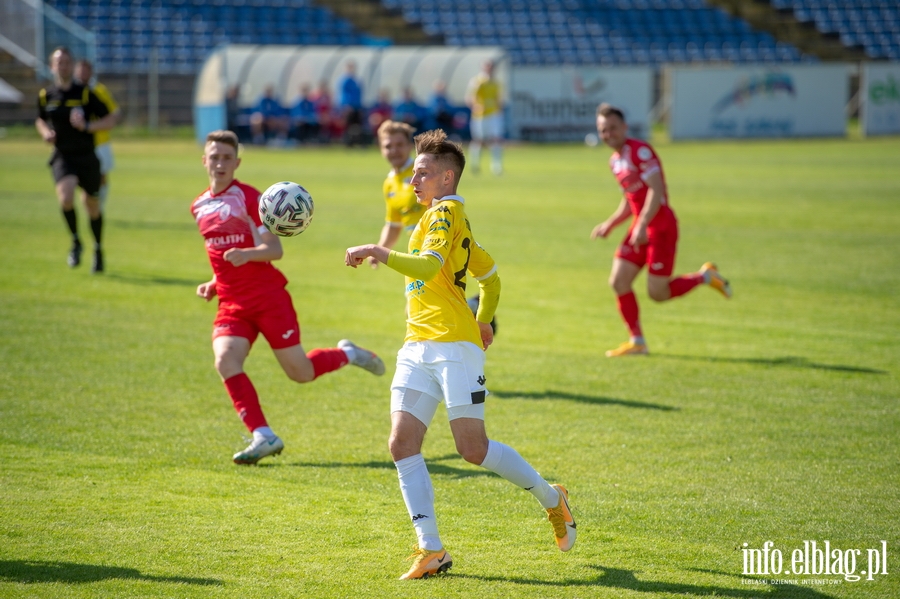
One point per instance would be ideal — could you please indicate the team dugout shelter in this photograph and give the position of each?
(252, 68)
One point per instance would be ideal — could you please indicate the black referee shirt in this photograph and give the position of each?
(55, 107)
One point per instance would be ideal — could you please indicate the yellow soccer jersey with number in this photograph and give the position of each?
(437, 309)
(100, 90)
(400, 198)
(486, 93)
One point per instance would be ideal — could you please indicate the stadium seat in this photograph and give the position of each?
(573, 31)
(126, 28)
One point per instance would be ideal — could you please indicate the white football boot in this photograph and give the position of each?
(362, 357)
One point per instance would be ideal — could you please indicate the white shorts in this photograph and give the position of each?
(489, 127)
(104, 154)
(429, 372)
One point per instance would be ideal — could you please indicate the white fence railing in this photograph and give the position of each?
(29, 30)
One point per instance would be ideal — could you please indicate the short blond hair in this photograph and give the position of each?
(390, 127)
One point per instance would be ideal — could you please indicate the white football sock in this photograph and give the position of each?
(497, 158)
(350, 352)
(475, 154)
(506, 461)
(418, 494)
(263, 432)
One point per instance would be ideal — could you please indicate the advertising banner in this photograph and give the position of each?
(759, 101)
(879, 92)
(560, 103)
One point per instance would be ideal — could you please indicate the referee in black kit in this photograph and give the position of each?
(68, 115)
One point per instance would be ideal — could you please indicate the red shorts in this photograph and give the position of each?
(658, 253)
(273, 316)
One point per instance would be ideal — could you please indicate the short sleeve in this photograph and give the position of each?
(481, 265)
(102, 92)
(251, 201)
(437, 240)
(646, 161)
(42, 104)
(392, 212)
(96, 106)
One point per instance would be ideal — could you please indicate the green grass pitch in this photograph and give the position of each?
(770, 417)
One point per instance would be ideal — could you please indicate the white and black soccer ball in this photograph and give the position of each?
(286, 209)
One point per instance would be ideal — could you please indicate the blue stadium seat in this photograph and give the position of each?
(571, 31)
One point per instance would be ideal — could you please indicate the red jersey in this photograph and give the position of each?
(631, 167)
(221, 218)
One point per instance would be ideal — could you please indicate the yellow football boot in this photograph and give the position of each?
(629, 348)
(428, 563)
(715, 280)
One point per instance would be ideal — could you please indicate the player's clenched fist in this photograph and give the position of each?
(357, 254)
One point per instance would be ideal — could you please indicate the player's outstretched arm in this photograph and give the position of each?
(417, 266)
(390, 233)
(357, 254)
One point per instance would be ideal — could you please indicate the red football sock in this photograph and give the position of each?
(327, 360)
(684, 283)
(628, 307)
(246, 401)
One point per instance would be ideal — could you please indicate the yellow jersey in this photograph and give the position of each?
(400, 198)
(486, 96)
(100, 90)
(437, 309)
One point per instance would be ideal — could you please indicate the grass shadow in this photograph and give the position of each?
(435, 466)
(616, 578)
(589, 399)
(153, 226)
(791, 361)
(138, 279)
(34, 571)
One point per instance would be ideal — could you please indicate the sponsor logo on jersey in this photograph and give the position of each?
(235, 239)
(416, 287)
(433, 242)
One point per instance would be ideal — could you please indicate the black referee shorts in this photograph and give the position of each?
(86, 167)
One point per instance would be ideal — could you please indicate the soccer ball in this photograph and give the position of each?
(286, 209)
